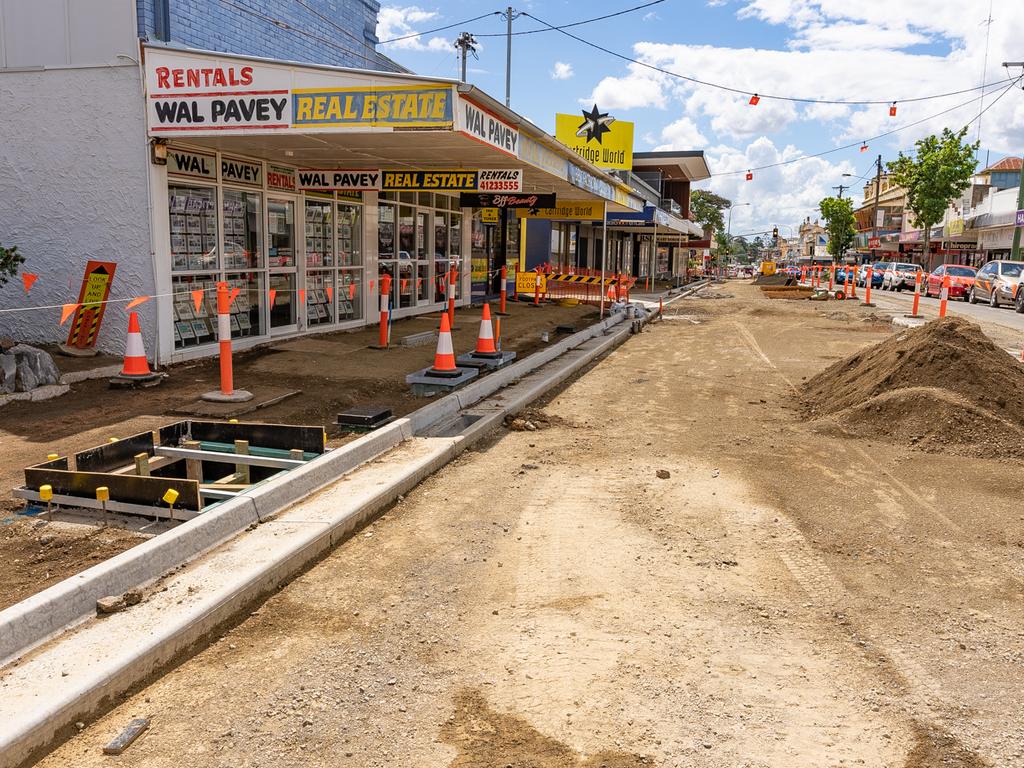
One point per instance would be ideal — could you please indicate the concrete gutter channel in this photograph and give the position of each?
(45, 687)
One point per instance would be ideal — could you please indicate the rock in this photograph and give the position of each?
(132, 597)
(6, 342)
(8, 372)
(35, 368)
(663, 474)
(110, 604)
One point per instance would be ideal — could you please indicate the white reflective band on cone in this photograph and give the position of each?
(486, 331)
(134, 347)
(224, 327)
(444, 344)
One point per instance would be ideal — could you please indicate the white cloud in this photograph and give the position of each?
(398, 22)
(562, 71)
(779, 196)
(642, 87)
(681, 134)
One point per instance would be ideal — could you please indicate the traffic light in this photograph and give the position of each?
(775, 233)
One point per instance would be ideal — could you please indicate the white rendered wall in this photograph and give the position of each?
(74, 187)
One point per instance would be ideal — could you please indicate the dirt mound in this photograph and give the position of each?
(941, 387)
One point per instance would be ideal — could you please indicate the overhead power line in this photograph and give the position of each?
(441, 29)
(575, 23)
(759, 94)
(801, 158)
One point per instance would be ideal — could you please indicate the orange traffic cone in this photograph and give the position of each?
(485, 338)
(444, 358)
(136, 368)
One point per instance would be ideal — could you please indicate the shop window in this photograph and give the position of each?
(245, 309)
(194, 323)
(243, 230)
(319, 233)
(350, 295)
(193, 219)
(349, 236)
(320, 298)
(282, 304)
(281, 232)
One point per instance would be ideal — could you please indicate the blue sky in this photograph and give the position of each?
(822, 49)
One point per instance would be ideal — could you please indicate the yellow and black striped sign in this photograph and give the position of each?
(92, 300)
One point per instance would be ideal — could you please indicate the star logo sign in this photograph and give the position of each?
(595, 124)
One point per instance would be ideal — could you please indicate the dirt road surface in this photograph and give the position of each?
(781, 597)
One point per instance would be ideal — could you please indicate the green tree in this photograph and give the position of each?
(840, 224)
(938, 172)
(10, 260)
(706, 211)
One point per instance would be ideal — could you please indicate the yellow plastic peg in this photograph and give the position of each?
(171, 496)
(52, 456)
(103, 496)
(46, 494)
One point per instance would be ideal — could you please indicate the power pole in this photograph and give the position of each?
(842, 188)
(1015, 253)
(874, 213)
(509, 15)
(466, 43)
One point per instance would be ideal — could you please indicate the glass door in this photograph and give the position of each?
(281, 236)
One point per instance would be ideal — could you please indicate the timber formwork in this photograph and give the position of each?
(203, 462)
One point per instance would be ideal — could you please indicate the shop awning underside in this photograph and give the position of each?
(391, 150)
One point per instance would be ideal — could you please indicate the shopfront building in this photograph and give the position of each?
(304, 188)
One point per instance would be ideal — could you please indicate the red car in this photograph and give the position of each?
(961, 278)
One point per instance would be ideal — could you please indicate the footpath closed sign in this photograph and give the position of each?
(526, 282)
(92, 300)
(1020, 218)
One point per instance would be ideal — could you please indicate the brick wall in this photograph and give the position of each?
(245, 27)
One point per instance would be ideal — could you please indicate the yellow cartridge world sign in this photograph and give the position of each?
(597, 137)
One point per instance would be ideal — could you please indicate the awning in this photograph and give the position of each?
(991, 220)
(650, 218)
(323, 117)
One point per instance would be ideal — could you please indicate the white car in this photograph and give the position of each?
(899, 275)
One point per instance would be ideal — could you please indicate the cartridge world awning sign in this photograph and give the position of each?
(460, 180)
(196, 94)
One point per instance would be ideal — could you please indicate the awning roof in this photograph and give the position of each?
(688, 165)
(359, 134)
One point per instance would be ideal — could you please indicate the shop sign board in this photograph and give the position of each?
(92, 301)
(500, 180)
(282, 179)
(193, 164)
(597, 137)
(338, 179)
(420, 106)
(479, 124)
(570, 210)
(528, 201)
(588, 181)
(241, 172)
(874, 242)
(429, 181)
(953, 228)
(1020, 218)
(205, 94)
(489, 215)
(536, 154)
(910, 236)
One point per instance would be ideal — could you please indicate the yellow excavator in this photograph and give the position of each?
(768, 268)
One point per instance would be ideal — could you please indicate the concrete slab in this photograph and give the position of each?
(471, 360)
(261, 396)
(909, 322)
(425, 385)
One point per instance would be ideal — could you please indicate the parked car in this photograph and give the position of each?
(998, 282)
(961, 278)
(899, 275)
(877, 273)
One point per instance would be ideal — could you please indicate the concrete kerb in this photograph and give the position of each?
(47, 613)
(189, 627)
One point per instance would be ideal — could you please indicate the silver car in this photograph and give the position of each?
(998, 282)
(899, 275)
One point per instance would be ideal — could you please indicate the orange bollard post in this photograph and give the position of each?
(385, 311)
(867, 287)
(943, 295)
(831, 277)
(846, 289)
(504, 291)
(803, 275)
(536, 289)
(917, 296)
(453, 277)
(227, 392)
